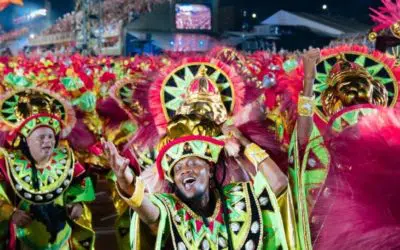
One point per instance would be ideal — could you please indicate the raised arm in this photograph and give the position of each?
(130, 187)
(305, 119)
(277, 180)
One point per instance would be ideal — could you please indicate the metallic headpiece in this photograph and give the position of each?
(351, 84)
(203, 98)
(196, 98)
(343, 69)
(24, 110)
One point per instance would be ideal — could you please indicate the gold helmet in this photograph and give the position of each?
(26, 109)
(350, 84)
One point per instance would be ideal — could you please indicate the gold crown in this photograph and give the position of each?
(186, 125)
(203, 98)
(23, 110)
(343, 69)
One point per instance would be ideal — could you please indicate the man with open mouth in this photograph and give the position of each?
(42, 188)
(202, 212)
(221, 190)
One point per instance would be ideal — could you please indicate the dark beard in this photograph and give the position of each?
(193, 203)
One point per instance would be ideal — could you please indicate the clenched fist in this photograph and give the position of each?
(310, 60)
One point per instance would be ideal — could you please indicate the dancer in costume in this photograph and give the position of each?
(347, 80)
(350, 83)
(362, 140)
(206, 208)
(43, 188)
(107, 107)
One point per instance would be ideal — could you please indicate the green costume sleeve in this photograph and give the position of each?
(80, 192)
(274, 225)
(6, 208)
(306, 180)
(140, 236)
(83, 236)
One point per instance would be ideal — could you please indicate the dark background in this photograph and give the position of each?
(357, 9)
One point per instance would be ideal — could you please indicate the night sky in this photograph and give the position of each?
(357, 9)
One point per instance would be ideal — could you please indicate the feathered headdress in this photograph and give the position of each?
(359, 190)
(24, 110)
(357, 61)
(387, 17)
(176, 83)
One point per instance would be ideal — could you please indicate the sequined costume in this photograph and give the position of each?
(351, 82)
(189, 102)
(44, 193)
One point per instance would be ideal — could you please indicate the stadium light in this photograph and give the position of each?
(324, 7)
(36, 13)
(254, 15)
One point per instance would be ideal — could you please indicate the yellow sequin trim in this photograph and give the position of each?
(306, 106)
(255, 154)
(138, 195)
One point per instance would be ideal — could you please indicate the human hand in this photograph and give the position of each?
(310, 60)
(21, 218)
(119, 165)
(75, 211)
(233, 132)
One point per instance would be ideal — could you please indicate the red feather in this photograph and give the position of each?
(360, 208)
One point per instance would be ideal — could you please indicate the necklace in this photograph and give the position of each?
(194, 215)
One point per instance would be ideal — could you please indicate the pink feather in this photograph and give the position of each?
(360, 207)
(386, 15)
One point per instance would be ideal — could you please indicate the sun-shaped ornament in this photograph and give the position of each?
(181, 83)
(176, 86)
(348, 78)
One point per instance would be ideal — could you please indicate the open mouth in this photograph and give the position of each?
(188, 182)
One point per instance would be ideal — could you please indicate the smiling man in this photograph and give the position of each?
(202, 212)
(42, 188)
(222, 188)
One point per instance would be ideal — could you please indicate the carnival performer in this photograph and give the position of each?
(43, 189)
(386, 32)
(205, 207)
(343, 84)
(202, 213)
(361, 138)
